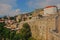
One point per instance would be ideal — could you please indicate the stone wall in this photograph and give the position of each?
(41, 27)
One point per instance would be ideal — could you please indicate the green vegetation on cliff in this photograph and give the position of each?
(8, 34)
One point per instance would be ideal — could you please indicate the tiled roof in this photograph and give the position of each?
(50, 6)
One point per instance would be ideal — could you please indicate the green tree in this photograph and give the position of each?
(6, 32)
(31, 38)
(12, 34)
(17, 37)
(25, 32)
(5, 17)
(12, 18)
(2, 24)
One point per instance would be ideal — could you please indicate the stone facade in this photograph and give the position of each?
(45, 28)
(42, 27)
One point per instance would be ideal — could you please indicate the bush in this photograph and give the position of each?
(25, 32)
(31, 38)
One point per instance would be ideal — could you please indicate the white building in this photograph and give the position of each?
(50, 10)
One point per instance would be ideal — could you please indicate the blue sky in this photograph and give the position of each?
(23, 6)
(15, 7)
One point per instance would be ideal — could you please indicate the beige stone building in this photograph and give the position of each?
(37, 12)
(46, 27)
(41, 28)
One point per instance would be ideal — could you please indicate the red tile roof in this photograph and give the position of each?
(50, 6)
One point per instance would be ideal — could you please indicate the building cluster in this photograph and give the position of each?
(44, 23)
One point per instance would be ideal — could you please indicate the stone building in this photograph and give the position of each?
(41, 28)
(38, 12)
(46, 27)
(18, 18)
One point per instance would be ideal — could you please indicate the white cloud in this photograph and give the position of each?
(10, 2)
(42, 3)
(58, 5)
(6, 8)
(14, 12)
